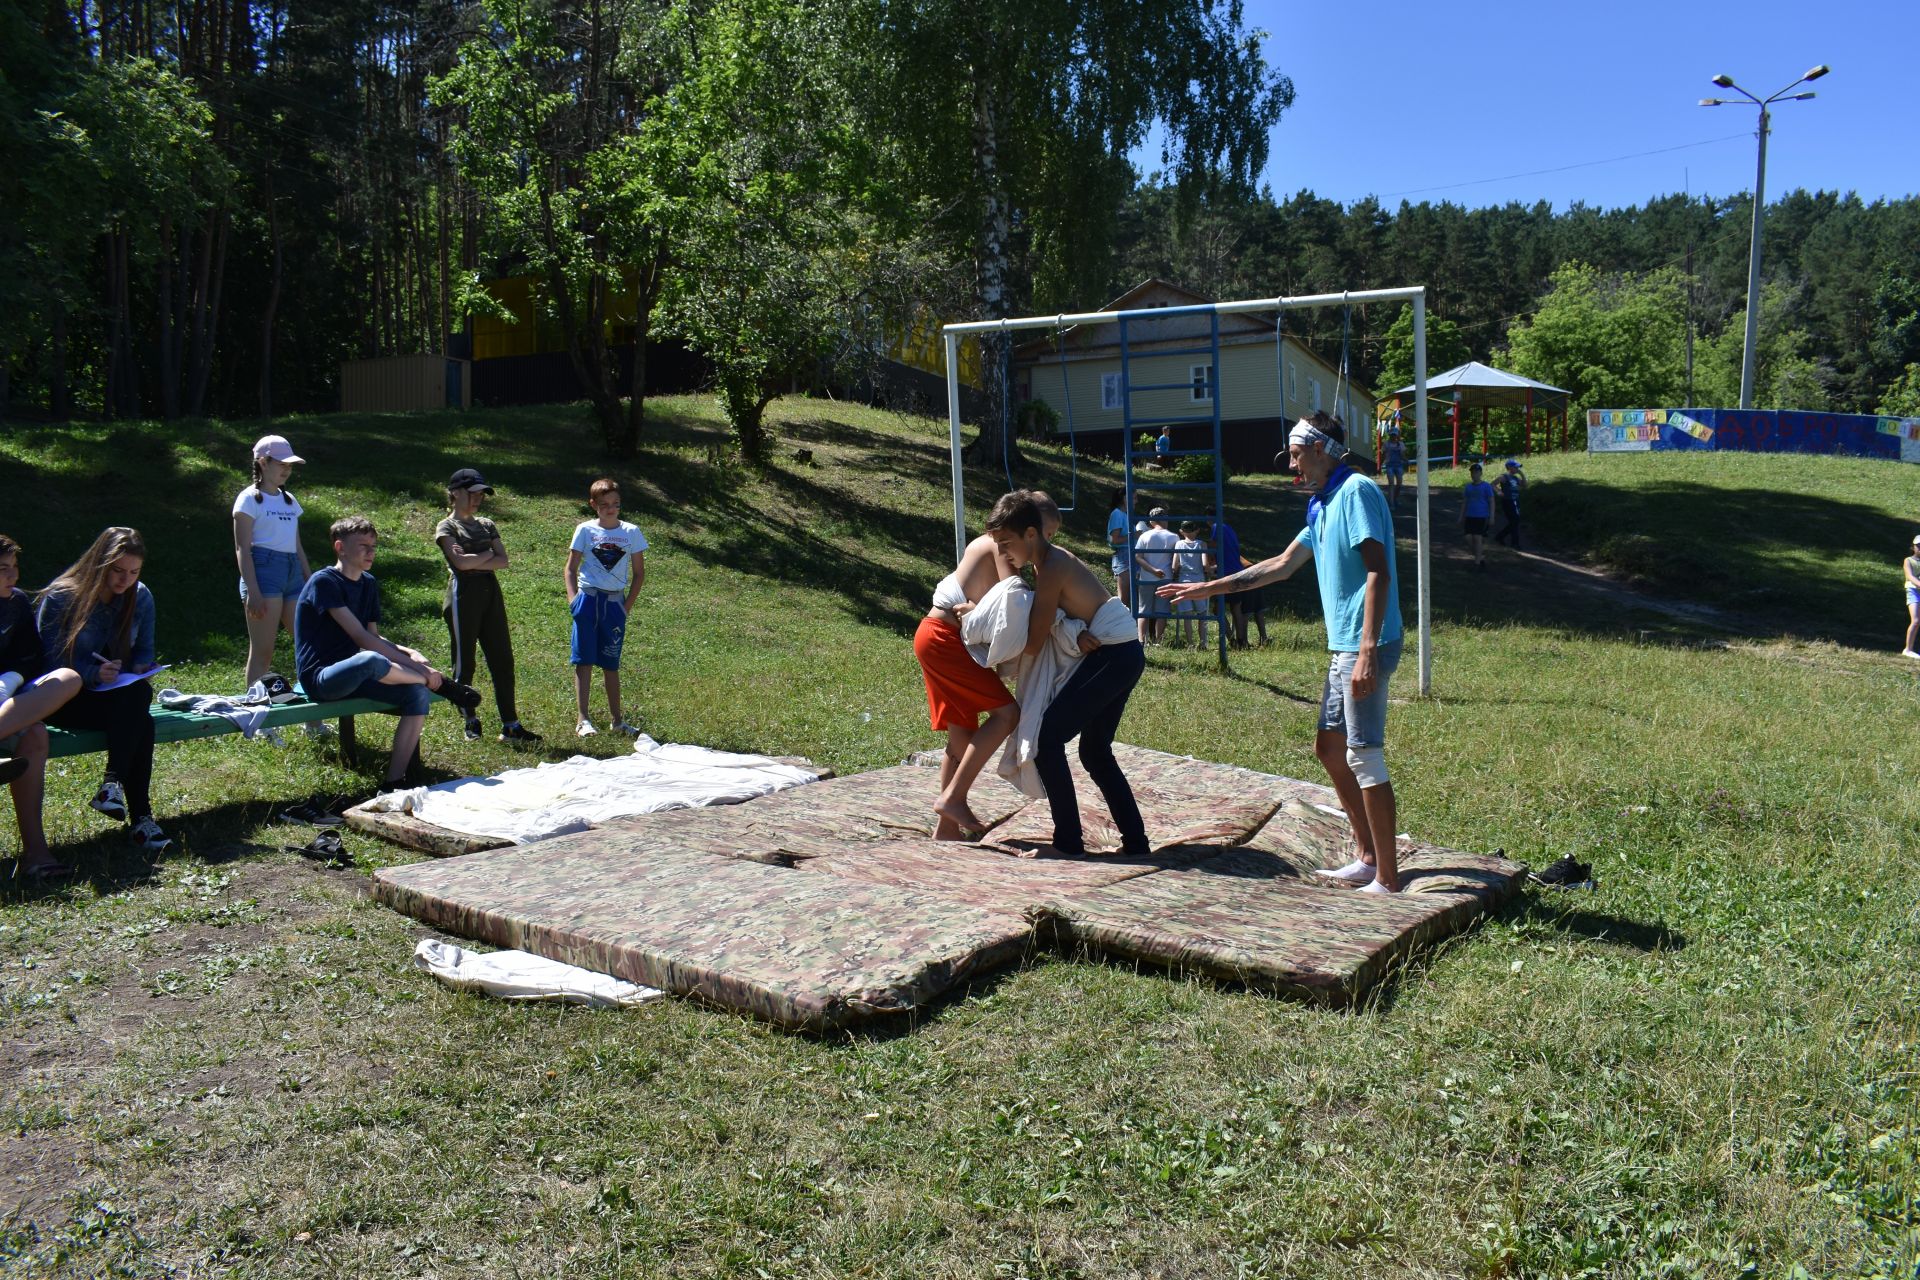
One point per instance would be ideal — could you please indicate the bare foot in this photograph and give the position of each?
(947, 829)
(961, 815)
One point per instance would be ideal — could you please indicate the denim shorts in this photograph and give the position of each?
(277, 572)
(599, 629)
(1363, 719)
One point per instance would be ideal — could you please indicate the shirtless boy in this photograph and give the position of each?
(960, 690)
(1094, 697)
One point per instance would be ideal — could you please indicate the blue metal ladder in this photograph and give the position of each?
(1143, 591)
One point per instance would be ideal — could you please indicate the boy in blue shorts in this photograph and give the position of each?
(606, 566)
(340, 653)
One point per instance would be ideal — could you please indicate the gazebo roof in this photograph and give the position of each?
(1483, 386)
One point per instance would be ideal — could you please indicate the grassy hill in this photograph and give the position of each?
(223, 1064)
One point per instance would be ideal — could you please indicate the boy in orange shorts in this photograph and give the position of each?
(960, 690)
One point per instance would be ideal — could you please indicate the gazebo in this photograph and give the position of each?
(1478, 386)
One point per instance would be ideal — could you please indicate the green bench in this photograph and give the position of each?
(183, 726)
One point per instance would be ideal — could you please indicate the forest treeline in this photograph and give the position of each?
(209, 204)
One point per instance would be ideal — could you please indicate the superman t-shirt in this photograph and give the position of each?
(606, 555)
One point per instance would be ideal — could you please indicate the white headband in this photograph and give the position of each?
(1305, 433)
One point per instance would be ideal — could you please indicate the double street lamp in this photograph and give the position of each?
(1759, 204)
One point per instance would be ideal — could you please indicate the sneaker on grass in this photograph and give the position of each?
(111, 800)
(519, 733)
(584, 729)
(317, 729)
(474, 731)
(624, 729)
(147, 835)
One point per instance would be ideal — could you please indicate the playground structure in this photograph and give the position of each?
(1139, 410)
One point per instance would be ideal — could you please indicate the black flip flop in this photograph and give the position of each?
(42, 872)
(325, 849)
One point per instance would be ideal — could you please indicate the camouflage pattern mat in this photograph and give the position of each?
(1183, 801)
(984, 877)
(1249, 916)
(806, 952)
(410, 832)
(823, 905)
(884, 804)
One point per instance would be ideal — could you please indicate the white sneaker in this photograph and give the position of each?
(111, 800)
(148, 835)
(624, 729)
(1376, 887)
(1355, 872)
(318, 729)
(1908, 653)
(584, 729)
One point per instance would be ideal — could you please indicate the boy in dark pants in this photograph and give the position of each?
(475, 610)
(1094, 697)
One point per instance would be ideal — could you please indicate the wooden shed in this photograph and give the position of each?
(399, 384)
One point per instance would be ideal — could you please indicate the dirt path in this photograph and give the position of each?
(1544, 578)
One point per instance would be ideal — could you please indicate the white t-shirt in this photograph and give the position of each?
(1156, 552)
(1117, 523)
(1193, 563)
(276, 518)
(605, 554)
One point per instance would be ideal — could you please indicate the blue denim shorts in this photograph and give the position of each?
(359, 677)
(599, 629)
(1363, 719)
(277, 572)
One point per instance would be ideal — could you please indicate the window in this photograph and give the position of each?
(1200, 378)
(1293, 381)
(1314, 384)
(1109, 391)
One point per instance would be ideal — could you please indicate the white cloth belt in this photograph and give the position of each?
(996, 630)
(1042, 676)
(949, 593)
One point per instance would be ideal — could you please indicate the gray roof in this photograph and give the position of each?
(1496, 387)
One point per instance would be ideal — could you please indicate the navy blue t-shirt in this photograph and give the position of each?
(19, 638)
(318, 641)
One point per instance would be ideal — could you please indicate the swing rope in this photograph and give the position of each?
(1066, 395)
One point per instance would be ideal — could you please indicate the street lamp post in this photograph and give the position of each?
(1759, 204)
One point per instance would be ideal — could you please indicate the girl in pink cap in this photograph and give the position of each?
(266, 542)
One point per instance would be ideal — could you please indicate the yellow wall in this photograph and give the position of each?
(1248, 388)
(918, 345)
(531, 332)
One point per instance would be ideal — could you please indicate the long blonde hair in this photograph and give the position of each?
(84, 588)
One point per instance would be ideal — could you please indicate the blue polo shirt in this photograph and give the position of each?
(1355, 512)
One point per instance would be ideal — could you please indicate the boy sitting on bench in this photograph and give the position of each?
(341, 654)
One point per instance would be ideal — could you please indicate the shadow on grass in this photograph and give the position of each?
(1560, 915)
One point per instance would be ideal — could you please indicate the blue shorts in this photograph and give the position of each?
(1363, 719)
(359, 677)
(1913, 597)
(1395, 472)
(277, 572)
(599, 629)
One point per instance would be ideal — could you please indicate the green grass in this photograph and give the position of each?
(223, 1065)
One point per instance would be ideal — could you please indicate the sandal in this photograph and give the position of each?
(42, 872)
(325, 848)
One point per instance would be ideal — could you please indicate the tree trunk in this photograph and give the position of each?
(273, 303)
(169, 359)
(59, 398)
(206, 313)
(995, 443)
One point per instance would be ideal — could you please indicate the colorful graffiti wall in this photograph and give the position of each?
(1753, 430)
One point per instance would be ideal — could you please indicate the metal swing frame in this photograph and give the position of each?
(1416, 295)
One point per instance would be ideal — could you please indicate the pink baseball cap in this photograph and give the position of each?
(277, 448)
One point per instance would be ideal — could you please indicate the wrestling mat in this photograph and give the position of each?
(823, 906)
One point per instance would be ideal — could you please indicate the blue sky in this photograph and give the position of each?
(1505, 88)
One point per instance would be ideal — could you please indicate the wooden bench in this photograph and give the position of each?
(183, 726)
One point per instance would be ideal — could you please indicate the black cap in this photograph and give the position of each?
(468, 478)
